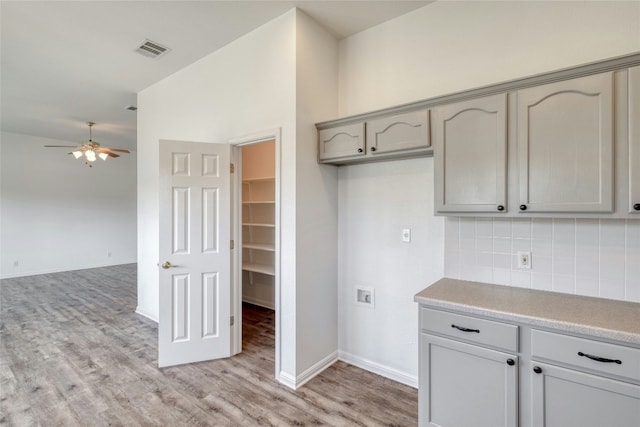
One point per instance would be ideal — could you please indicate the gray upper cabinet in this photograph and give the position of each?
(404, 132)
(634, 140)
(341, 142)
(565, 146)
(398, 136)
(470, 152)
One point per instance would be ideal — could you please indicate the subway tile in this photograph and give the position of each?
(502, 261)
(502, 227)
(564, 238)
(541, 228)
(563, 266)
(484, 227)
(612, 233)
(541, 264)
(521, 278)
(612, 288)
(587, 237)
(520, 245)
(484, 259)
(521, 228)
(502, 245)
(564, 284)
(541, 247)
(502, 276)
(451, 233)
(588, 286)
(588, 263)
(632, 282)
(467, 228)
(484, 244)
(541, 281)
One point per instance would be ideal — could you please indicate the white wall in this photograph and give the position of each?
(249, 86)
(316, 200)
(449, 46)
(442, 48)
(58, 214)
(377, 201)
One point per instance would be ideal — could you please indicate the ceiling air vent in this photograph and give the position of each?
(152, 49)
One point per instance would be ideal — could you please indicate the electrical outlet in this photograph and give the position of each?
(16, 263)
(524, 260)
(406, 235)
(365, 296)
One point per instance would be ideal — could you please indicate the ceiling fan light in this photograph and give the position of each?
(77, 154)
(103, 156)
(90, 155)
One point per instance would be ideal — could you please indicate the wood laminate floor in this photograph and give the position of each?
(73, 352)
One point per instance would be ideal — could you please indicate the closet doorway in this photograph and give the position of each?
(259, 249)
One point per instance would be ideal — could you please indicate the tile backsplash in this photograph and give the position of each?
(593, 257)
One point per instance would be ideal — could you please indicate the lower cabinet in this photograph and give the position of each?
(466, 385)
(566, 397)
(486, 372)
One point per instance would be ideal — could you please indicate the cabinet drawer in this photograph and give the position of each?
(576, 351)
(481, 331)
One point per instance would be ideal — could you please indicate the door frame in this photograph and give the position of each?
(236, 233)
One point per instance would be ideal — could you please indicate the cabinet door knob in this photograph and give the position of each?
(360, 150)
(373, 148)
(636, 207)
(511, 362)
(537, 369)
(523, 207)
(500, 208)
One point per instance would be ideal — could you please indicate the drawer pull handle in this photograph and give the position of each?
(460, 328)
(599, 359)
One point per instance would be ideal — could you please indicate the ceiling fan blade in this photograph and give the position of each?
(65, 146)
(118, 149)
(113, 155)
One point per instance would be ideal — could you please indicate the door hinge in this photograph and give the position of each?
(233, 320)
(232, 244)
(232, 168)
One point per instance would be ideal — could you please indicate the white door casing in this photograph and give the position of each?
(194, 226)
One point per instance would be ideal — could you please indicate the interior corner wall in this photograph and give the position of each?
(58, 214)
(451, 46)
(444, 47)
(246, 87)
(317, 201)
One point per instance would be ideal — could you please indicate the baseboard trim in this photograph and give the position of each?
(64, 269)
(377, 368)
(259, 302)
(298, 381)
(146, 314)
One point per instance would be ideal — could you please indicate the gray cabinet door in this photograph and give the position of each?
(466, 385)
(566, 398)
(565, 146)
(403, 132)
(470, 156)
(341, 142)
(634, 140)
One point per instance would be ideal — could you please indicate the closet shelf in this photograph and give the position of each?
(258, 202)
(268, 178)
(253, 224)
(259, 268)
(259, 246)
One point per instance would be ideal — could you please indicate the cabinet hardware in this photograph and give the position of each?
(359, 150)
(460, 328)
(373, 149)
(500, 208)
(537, 369)
(599, 359)
(523, 207)
(511, 362)
(636, 207)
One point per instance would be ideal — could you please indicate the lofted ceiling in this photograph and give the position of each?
(64, 63)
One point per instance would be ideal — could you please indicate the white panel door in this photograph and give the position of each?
(195, 255)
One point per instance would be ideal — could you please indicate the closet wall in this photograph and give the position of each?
(258, 224)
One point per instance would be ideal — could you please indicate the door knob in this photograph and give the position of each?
(167, 264)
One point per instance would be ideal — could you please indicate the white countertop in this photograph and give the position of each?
(597, 317)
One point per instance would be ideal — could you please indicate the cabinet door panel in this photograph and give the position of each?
(341, 142)
(634, 140)
(565, 398)
(471, 156)
(466, 385)
(407, 131)
(565, 145)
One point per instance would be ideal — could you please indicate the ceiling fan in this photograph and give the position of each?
(91, 149)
